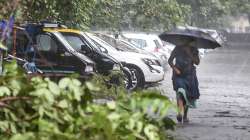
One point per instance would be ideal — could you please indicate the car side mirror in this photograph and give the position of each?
(85, 49)
(104, 50)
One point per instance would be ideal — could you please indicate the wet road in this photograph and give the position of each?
(223, 111)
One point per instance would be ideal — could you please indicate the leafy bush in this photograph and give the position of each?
(40, 109)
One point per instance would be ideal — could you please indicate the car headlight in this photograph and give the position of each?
(116, 67)
(89, 68)
(150, 62)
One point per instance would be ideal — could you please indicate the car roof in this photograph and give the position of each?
(62, 30)
(139, 35)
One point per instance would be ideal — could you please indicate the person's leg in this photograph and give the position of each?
(180, 105)
(185, 118)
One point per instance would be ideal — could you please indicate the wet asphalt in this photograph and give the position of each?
(223, 111)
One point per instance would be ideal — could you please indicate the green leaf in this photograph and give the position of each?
(24, 136)
(46, 126)
(64, 83)
(76, 82)
(16, 86)
(113, 116)
(111, 105)
(77, 93)
(44, 93)
(151, 132)
(13, 128)
(2, 47)
(4, 125)
(92, 87)
(54, 88)
(41, 111)
(4, 91)
(63, 104)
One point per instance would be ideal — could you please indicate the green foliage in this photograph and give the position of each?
(40, 109)
(73, 13)
(5, 8)
(105, 14)
(143, 15)
(211, 13)
(138, 14)
(128, 14)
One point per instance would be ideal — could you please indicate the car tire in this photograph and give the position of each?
(127, 79)
(138, 81)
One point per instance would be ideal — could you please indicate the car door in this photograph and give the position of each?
(68, 63)
(46, 58)
(55, 58)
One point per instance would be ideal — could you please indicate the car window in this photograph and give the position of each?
(139, 42)
(101, 43)
(74, 41)
(124, 47)
(118, 44)
(46, 43)
(131, 46)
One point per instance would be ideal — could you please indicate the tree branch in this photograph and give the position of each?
(6, 99)
(3, 105)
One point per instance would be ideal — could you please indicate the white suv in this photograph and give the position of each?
(145, 68)
(151, 43)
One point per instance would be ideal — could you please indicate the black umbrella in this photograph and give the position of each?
(198, 38)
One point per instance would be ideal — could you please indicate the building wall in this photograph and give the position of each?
(240, 24)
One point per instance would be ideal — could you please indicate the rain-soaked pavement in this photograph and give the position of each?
(223, 111)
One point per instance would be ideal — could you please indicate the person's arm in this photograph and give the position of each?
(171, 58)
(170, 62)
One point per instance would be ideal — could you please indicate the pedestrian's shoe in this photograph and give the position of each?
(179, 118)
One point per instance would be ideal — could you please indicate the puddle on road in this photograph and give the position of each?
(228, 114)
(240, 127)
(223, 112)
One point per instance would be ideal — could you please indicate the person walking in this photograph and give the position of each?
(184, 78)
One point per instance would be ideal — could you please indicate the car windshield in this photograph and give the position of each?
(61, 37)
(77, 41)
(74, 41)
(132, 45)
(139, 42)
(100, 43)
(118, 44)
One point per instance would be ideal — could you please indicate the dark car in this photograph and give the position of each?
(47, 53)
(105, 64)
(45, 50)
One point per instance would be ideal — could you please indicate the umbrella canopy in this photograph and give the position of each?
(199, 39)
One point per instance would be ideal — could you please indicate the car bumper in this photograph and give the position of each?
(154, 75)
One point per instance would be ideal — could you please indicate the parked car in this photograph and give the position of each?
(54, 56)
(121, 43)
(150, 43)
(168, 46)
(146, 69)
(47, 53)
(81, 43)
